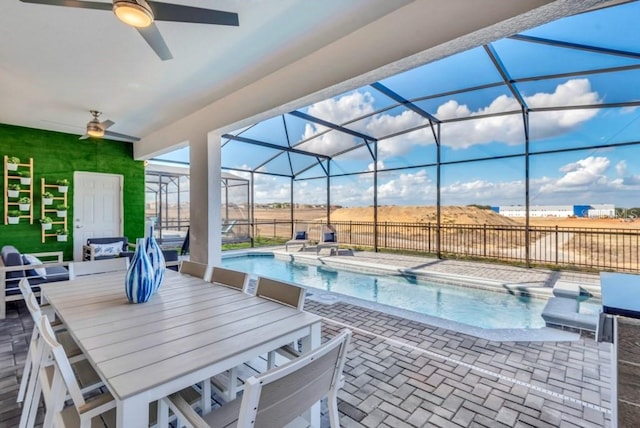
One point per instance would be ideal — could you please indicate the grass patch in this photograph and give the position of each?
(257, 242)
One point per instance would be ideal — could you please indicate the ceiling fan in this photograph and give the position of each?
(141, 14)
(98, 129)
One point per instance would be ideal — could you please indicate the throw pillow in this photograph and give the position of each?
(329, 237)
(107, 250)
(301, 235)
(28, 259)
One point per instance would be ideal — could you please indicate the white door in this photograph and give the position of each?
(97, 208)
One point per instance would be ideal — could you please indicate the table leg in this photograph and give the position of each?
(132, 412)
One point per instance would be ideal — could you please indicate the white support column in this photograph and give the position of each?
(205, 199)
(214, 195)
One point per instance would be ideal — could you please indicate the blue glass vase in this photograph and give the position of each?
(139, 280)
(157, 260)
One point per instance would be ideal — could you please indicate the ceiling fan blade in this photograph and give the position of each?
(73, 3)
(198, 15)
(106, 124)
(153, 37)
(121, 136)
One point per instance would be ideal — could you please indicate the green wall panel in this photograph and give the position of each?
(57, 155)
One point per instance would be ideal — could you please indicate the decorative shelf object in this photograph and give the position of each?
(50, 211)
(18, 179)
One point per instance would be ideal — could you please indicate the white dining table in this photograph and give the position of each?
(189, 331)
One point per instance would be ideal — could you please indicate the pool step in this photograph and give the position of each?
(564, 312)
(567, 289)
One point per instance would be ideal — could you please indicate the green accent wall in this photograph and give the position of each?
(55, 156)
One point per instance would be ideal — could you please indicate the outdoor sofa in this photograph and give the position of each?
(39, 268)
(105, 248)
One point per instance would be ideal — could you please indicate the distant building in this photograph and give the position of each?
(591, 211)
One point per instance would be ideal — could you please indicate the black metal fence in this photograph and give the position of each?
(600, 249)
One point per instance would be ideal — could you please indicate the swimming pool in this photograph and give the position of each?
(476, 307)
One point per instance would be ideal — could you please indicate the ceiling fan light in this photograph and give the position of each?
(95, 130)
(134, 13)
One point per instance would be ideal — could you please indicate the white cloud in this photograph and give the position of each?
(584, 172)
(344, 108)
(581, 182)
(338, 111)
(621, 167)
(380, 166)
(269, 188)
(483, 192)
(510, 129)
(407, 188)
(507, 129)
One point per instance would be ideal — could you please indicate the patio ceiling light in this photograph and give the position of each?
(94, 129)
(135, 13)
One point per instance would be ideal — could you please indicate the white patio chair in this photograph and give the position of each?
(58, 380)
(300, 237)
(89, 379)
(286, 294)
(98, 266)
(230, 278)
(281, 395)
(328, 239)
(194, 269)
(227, 385)
(280, 291)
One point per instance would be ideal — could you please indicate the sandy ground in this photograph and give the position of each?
(419, 214)
(449, 215)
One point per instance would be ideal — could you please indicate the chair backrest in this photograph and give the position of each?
(279, 396)
(34, 308)
(329, 234)
(171, 259)
(281, 292)
(98, 266)
(111, 240)
(226, 229)
(193, 268)
(63, 381)
(300, 231)
(230, 278)
(25, 288)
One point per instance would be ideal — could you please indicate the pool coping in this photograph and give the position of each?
(541, 334)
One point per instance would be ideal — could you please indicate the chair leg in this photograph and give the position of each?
(32, 395)
(28, 370)
(30, 409)
(332, 404)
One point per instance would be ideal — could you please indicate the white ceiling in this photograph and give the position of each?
(57, 63)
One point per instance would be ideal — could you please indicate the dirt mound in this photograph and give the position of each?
(424, 214)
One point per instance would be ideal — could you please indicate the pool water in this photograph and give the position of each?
(472, 306)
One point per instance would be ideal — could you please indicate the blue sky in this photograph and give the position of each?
(589, 176)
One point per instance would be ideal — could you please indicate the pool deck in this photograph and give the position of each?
(404, 372)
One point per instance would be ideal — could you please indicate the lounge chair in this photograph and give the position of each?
(227, 230)
(300, 237)
(328, 239)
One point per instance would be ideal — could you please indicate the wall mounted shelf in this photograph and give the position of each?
(26, 190)
(50, 210)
